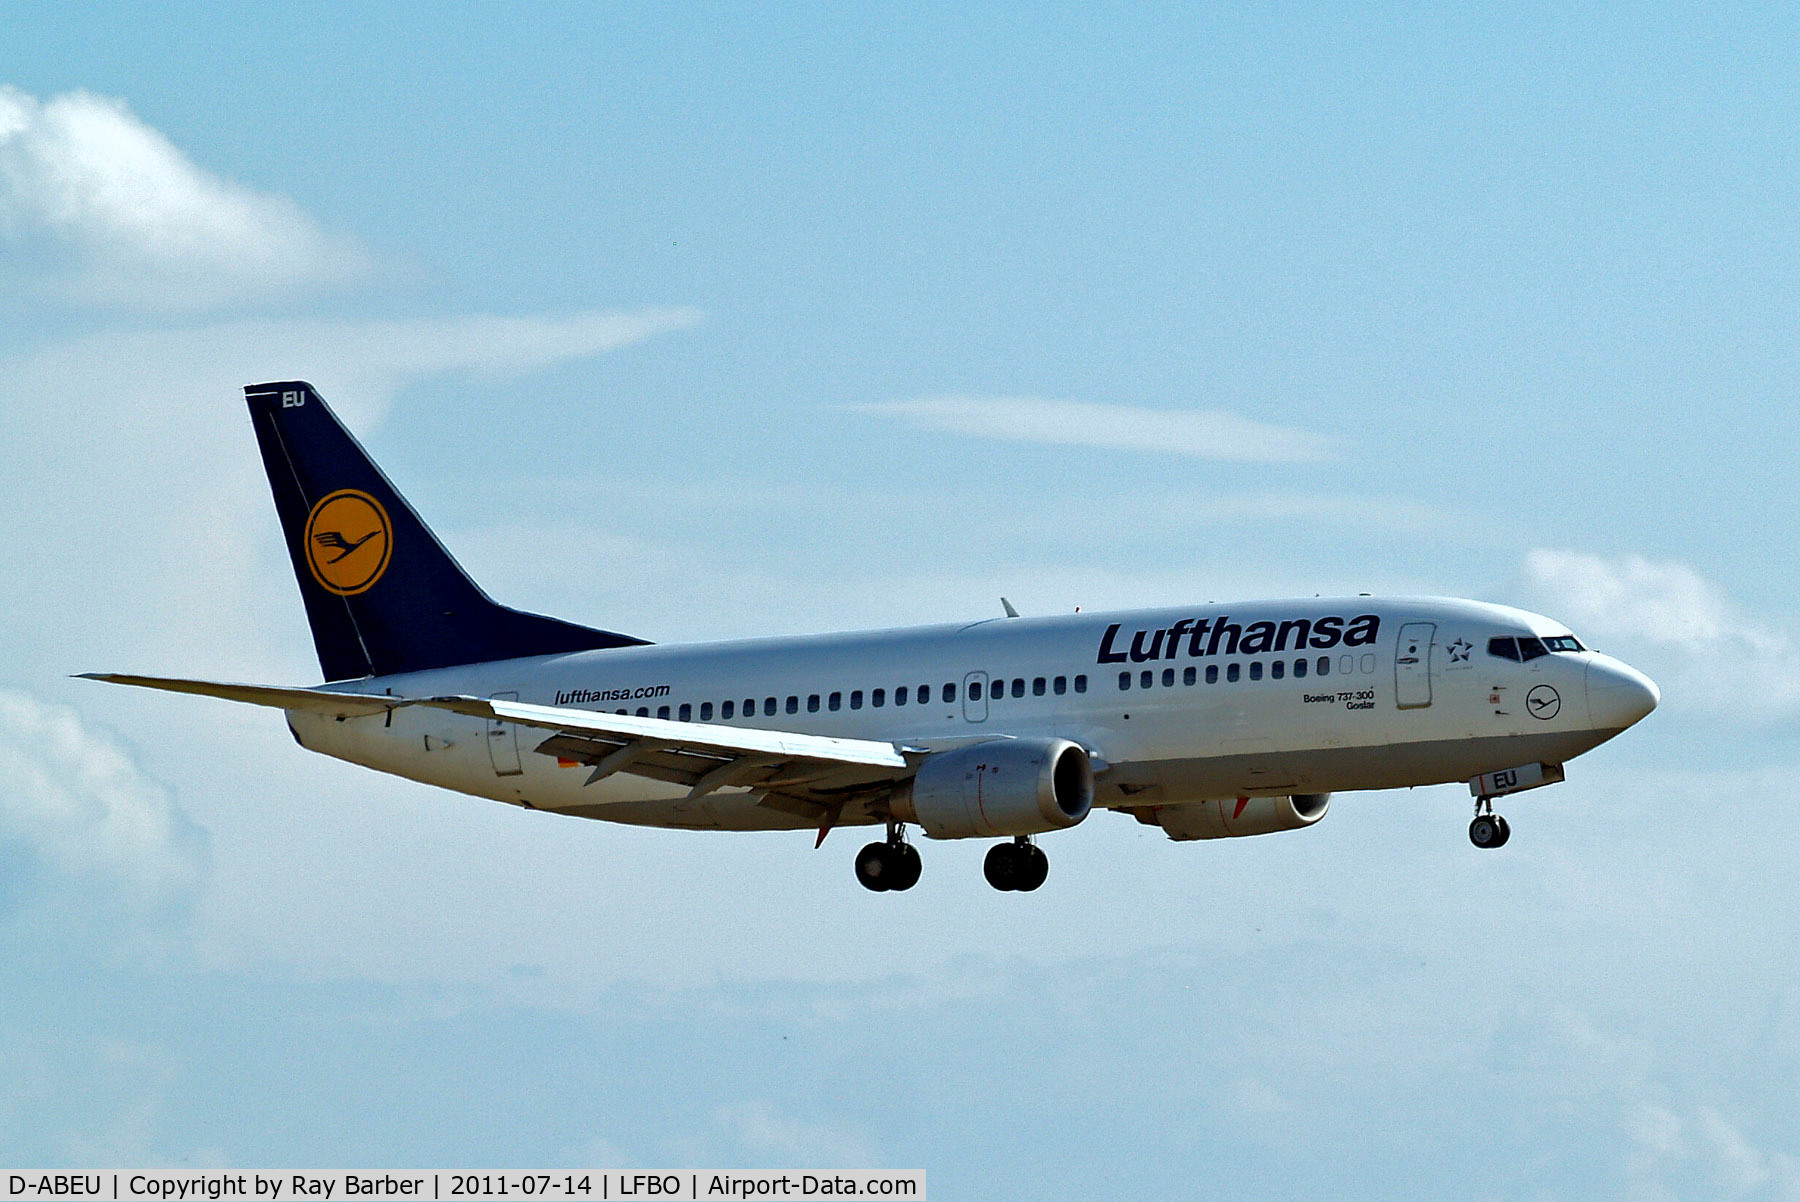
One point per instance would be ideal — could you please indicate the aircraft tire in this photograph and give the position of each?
(906, 866)
(1001, 868)
(1486, 832)
(1033, 867)
(1505, 830)
(875, 868)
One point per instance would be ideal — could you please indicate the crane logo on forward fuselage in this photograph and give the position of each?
(349, 541)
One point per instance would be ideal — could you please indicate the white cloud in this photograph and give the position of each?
(757, 1130)
(1703, 1154)
(1667, 610)
(1195, 433)
(112, 442)
(122, 216)
(76, 802)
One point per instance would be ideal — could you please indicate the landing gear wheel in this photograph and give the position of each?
(906, 866)
(1488, 831)
(875, 869)
(1019, 866)
(1031, 866)
(1001, 867)
(892, 865)
(1505, 830)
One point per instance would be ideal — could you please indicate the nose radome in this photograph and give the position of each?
(1618, 694)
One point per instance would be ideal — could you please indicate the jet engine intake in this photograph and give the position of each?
(1239, 816)
(1006, 787)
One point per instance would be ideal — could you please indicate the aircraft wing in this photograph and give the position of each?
(812, 768)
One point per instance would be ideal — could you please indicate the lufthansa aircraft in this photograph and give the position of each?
(1208, 721)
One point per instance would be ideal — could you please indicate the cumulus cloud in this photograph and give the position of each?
(1672, 612)
(1194, 433)
(114, 212)
(78, 817)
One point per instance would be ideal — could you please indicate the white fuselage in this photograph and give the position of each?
(1395, 692)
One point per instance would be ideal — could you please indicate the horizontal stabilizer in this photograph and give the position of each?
(336, 705)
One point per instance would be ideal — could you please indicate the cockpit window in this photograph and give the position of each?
(1530, 649)
(1567, 642)
(1504, 648)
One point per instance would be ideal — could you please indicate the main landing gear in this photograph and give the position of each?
(1020, 865)
(1488, 830)
(893, 865)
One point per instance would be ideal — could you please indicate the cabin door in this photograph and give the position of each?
(503, 742)
(1412, 666)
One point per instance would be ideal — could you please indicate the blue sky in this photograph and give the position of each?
(706, 322)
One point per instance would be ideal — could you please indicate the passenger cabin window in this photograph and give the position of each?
(1231, 673)
(878, 698)
(1018, 686)
(925, 694)
(856, 699)
(706, 711)
(1124, 682)
(1060, 685)
(687, 712)
(643, 711)
(1324, 665)
(1504, 648)
(662, 711)
(727, 710)
(1277, 670)
(769, 707)
(793, 705)
(1189, 674)
(1212, 673)
(1081, 684)
(974, 690)
(900, 695)
(949, 693)
(1038, 686)
(835, 702)
(1299, 669)
(1168, 678)
(1146, 679)
(1256, 669)
(812, 704)
(749, 707)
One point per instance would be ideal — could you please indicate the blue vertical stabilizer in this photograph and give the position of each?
(381, 593)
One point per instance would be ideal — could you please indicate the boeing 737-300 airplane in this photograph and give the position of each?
(1207, 721)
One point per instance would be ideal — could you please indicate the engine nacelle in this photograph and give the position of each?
(1238, 817)
(1006, 787)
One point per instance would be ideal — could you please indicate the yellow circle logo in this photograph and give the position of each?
(348, 542)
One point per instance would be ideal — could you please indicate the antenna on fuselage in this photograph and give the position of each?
(1008, 607)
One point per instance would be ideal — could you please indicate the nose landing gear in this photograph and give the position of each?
(1488, 830)
(893, 865)
(1020, 865)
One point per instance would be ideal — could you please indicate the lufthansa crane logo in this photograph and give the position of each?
(1543, 702)
(348, 542)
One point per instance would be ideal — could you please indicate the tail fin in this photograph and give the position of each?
(381, 593)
